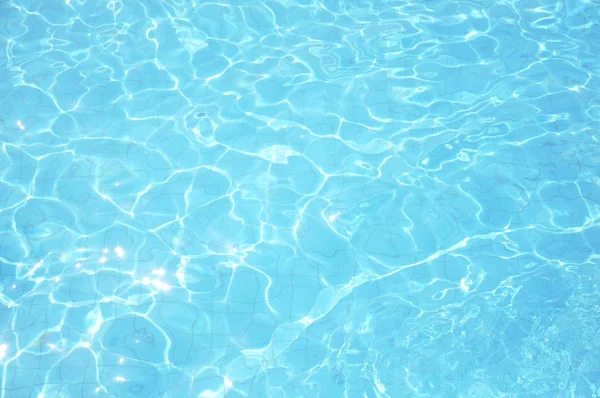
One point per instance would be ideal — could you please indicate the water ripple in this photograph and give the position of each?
(292, 198)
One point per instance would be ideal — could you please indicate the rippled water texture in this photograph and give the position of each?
(299, 198)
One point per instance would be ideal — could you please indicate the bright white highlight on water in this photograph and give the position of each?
(119, 251)
(160, 285)
(463, 286)
(97, 325)
(36, 266)
(3, 349)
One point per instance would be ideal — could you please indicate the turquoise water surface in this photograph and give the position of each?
(299, 198)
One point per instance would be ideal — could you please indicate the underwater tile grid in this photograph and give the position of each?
(299, 198)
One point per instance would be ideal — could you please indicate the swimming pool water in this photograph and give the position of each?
(299, 198)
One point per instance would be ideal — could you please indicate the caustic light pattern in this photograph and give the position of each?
(299, 198)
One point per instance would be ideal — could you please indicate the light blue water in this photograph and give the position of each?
(294, 198)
